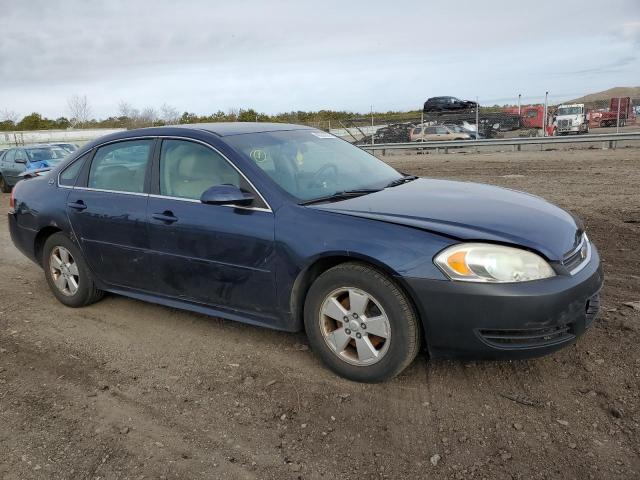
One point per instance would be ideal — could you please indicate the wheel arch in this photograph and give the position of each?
(321, 264)
(40, 240)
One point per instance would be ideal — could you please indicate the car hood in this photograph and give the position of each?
(470, 211)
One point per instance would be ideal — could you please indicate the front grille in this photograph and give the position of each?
(573, 260)
(534, 337)
(591, 310)
(565, 123)
(577, 257)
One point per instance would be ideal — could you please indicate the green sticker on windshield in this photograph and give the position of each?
(258, 155)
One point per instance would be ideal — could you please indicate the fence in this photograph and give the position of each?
(448, 119)
(608, 140)
(48, 136)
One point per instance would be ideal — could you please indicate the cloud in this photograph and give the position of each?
(608, 68)
(279, 55)
(631, 32)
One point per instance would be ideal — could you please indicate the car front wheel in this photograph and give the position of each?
(67, 273)
(361, 323)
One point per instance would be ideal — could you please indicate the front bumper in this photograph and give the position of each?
(577, 128)
(516, 320)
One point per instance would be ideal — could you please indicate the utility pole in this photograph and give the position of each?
(519, 104)
(477, 119)
(372, 139)
(545, 113)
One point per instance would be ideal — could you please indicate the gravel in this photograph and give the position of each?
(239, 381)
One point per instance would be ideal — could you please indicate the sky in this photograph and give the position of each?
(282, 55)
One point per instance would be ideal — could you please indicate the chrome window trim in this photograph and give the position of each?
(152, 137)
(193, 200)
(171, 137)
(137, 194)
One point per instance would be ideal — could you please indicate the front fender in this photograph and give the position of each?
(305, 237)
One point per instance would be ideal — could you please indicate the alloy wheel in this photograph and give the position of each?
(355, 326)
(64, 271)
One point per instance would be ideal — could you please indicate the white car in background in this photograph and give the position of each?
(435, 133)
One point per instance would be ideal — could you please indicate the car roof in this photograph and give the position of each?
(221, 129)
(224, 129)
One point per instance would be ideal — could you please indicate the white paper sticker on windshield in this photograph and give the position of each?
(322, 135)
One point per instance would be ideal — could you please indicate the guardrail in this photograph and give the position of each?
(607, 139)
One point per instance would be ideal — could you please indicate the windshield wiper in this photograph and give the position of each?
(401, 180)
(341, 195)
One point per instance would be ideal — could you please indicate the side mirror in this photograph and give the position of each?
(226, 195)
(20, 160)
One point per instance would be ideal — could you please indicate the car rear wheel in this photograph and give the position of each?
(361, 323)
(67, 273)
(4, 186)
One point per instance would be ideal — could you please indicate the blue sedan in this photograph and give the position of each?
(291, 228)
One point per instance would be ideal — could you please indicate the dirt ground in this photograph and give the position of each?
(126, 389)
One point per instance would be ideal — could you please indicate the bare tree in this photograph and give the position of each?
(125, 109)
(148, 116)
(129, 114)
(79, 109)
(9, 116)
(169, 114)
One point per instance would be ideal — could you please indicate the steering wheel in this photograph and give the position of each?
(316, 178)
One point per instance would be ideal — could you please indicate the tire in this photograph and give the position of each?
(396, 342)
(4, 186)
(85, 291)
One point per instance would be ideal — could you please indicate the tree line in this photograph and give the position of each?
(129, 116)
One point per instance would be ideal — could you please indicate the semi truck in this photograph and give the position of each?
(571, 118)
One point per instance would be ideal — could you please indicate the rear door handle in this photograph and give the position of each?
(79, 205)
(165, 216)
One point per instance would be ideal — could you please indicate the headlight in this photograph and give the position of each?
(484, 262)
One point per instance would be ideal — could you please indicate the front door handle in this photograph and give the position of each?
(78, 205)
(165, 216)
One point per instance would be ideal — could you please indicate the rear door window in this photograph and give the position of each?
(69, 175)
(121, 166)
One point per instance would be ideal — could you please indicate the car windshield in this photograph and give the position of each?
(311, 164)
(52, 155)
(570, 111)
